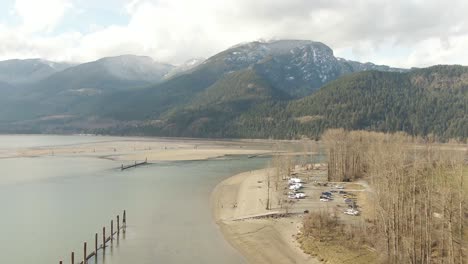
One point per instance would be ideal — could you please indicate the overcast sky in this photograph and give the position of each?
(402, 33)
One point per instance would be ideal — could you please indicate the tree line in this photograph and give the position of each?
(418, 193)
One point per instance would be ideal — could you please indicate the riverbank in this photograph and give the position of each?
(273, 237)
(75, 193)
(239, 204)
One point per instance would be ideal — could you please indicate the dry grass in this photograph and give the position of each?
(366, 205)
(335, 252)
(408, 186)
(325, 237)
(465, 229)
(354, 186)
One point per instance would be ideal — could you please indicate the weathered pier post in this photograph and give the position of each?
(118, 225)
(85, 256)
(104, 238)
(95, 244)
(112, 231)
(124, 220)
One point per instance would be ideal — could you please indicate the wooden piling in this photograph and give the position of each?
(95, 243)
(104, 238)
(112, 231)
(118, 225)
(133, 165)
(85, 256)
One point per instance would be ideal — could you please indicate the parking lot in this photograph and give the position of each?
(321, 195)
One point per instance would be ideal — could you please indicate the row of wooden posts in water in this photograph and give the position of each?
(105, 240)
(124, 167)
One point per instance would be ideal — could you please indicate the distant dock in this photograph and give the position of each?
(136, 164)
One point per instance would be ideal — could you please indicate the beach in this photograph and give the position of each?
(150, 149)
(239, 209)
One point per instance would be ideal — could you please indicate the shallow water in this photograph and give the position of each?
(50, 205)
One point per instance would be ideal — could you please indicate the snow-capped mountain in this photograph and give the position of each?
(184, 67)
(295, 66)
(28, 71)
(222, 88)
(104, 75)
(131, 67)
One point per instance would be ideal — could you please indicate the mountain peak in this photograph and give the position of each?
(280, 46)
(127, 67)
(184, 67)
(25, 71)
(297, 67)
(126, 57)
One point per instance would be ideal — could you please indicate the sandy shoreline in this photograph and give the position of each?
(153, 150)
(265, 240)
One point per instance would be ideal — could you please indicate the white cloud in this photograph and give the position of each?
(14, 44)
(399, 33)
(43, 15)
(435, 51)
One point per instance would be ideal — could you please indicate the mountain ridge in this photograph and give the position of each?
(19, 72)
(255, 89)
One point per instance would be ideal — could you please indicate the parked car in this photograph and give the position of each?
(296, 196)
(324, 199)
(295, 187)
(294, 180)
(351, 212)
(300, 195)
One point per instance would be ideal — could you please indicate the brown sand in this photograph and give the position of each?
(266, 240)
(189, 154)
(153, 150)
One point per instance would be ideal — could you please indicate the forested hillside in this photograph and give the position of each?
(278, 89)
(425, 101)
(422, 102)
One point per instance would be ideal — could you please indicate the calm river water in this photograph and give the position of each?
(50, 205)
